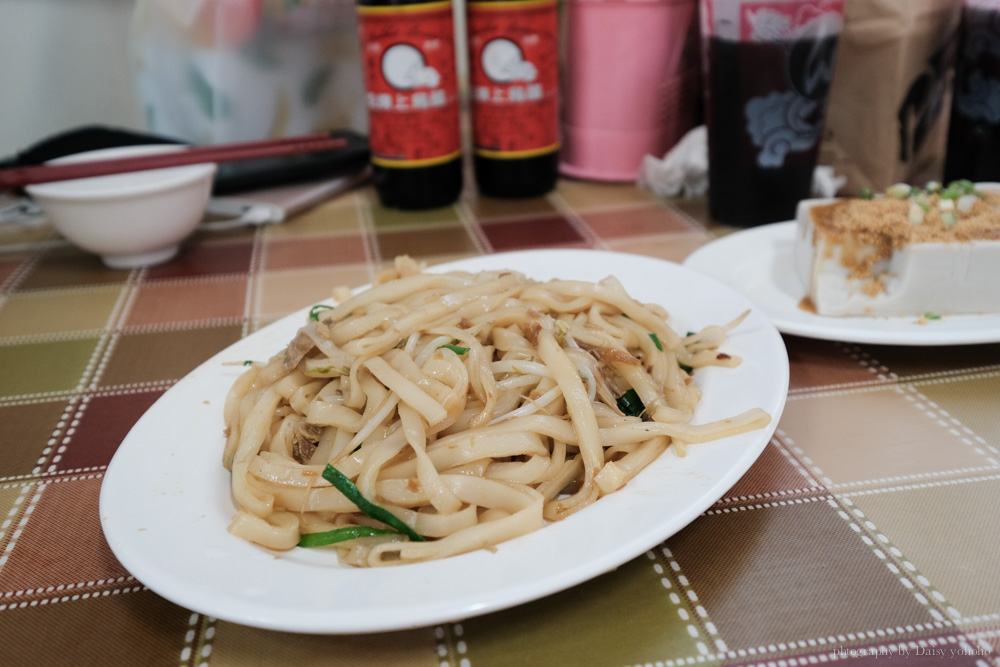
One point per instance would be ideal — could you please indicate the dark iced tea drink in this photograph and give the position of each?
(767, 89)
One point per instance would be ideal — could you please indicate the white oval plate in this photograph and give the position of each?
(759, 263)
(165, 500)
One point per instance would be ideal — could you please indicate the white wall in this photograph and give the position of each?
(63, 63)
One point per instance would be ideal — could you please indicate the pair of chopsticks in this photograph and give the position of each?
(16, 177)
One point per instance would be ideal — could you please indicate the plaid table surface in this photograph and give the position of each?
(867, 532)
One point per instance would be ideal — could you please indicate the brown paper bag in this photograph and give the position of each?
(887, 120)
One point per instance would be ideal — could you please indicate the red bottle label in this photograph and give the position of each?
(514, 72)
(408, 55)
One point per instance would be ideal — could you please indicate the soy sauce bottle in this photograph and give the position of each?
(514, 90)
(411, 92)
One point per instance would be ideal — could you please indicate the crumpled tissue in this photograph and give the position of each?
(826, 183)
(683, 171)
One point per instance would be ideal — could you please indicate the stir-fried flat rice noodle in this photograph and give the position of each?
(468, 408)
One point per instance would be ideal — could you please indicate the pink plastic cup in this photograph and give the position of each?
(631, 84)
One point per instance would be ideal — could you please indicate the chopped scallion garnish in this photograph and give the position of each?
(457, 349)
(921, 200)
(630, 404)
(965, 203)
(656, 341)
(956, 189)
(966, 186)
(898, 191)
(315, 311)
(931, 316)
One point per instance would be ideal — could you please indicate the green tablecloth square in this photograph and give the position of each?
(58, 311)
(625, 617)
(71, 268)
(14, 499)
(235, 645)
(388, 218)
(969, 405)
(33, 427)
(130, 627)
(49, 367)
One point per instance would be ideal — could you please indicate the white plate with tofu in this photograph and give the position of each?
(760, 263)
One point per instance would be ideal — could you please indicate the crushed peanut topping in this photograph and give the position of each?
(870, 230)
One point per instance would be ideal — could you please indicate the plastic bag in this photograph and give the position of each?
(218, 71)
(887, 120)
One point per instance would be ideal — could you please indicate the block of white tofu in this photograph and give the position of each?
(899, 257)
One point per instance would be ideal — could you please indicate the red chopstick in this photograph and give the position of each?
(16, 177)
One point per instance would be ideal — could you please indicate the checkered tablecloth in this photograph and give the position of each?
(867, 533)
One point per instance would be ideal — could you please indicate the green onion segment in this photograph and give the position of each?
(630, 404)
(369, 509)
(315, 310)
(341, 535)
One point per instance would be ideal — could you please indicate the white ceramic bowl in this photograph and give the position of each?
(133, 219)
